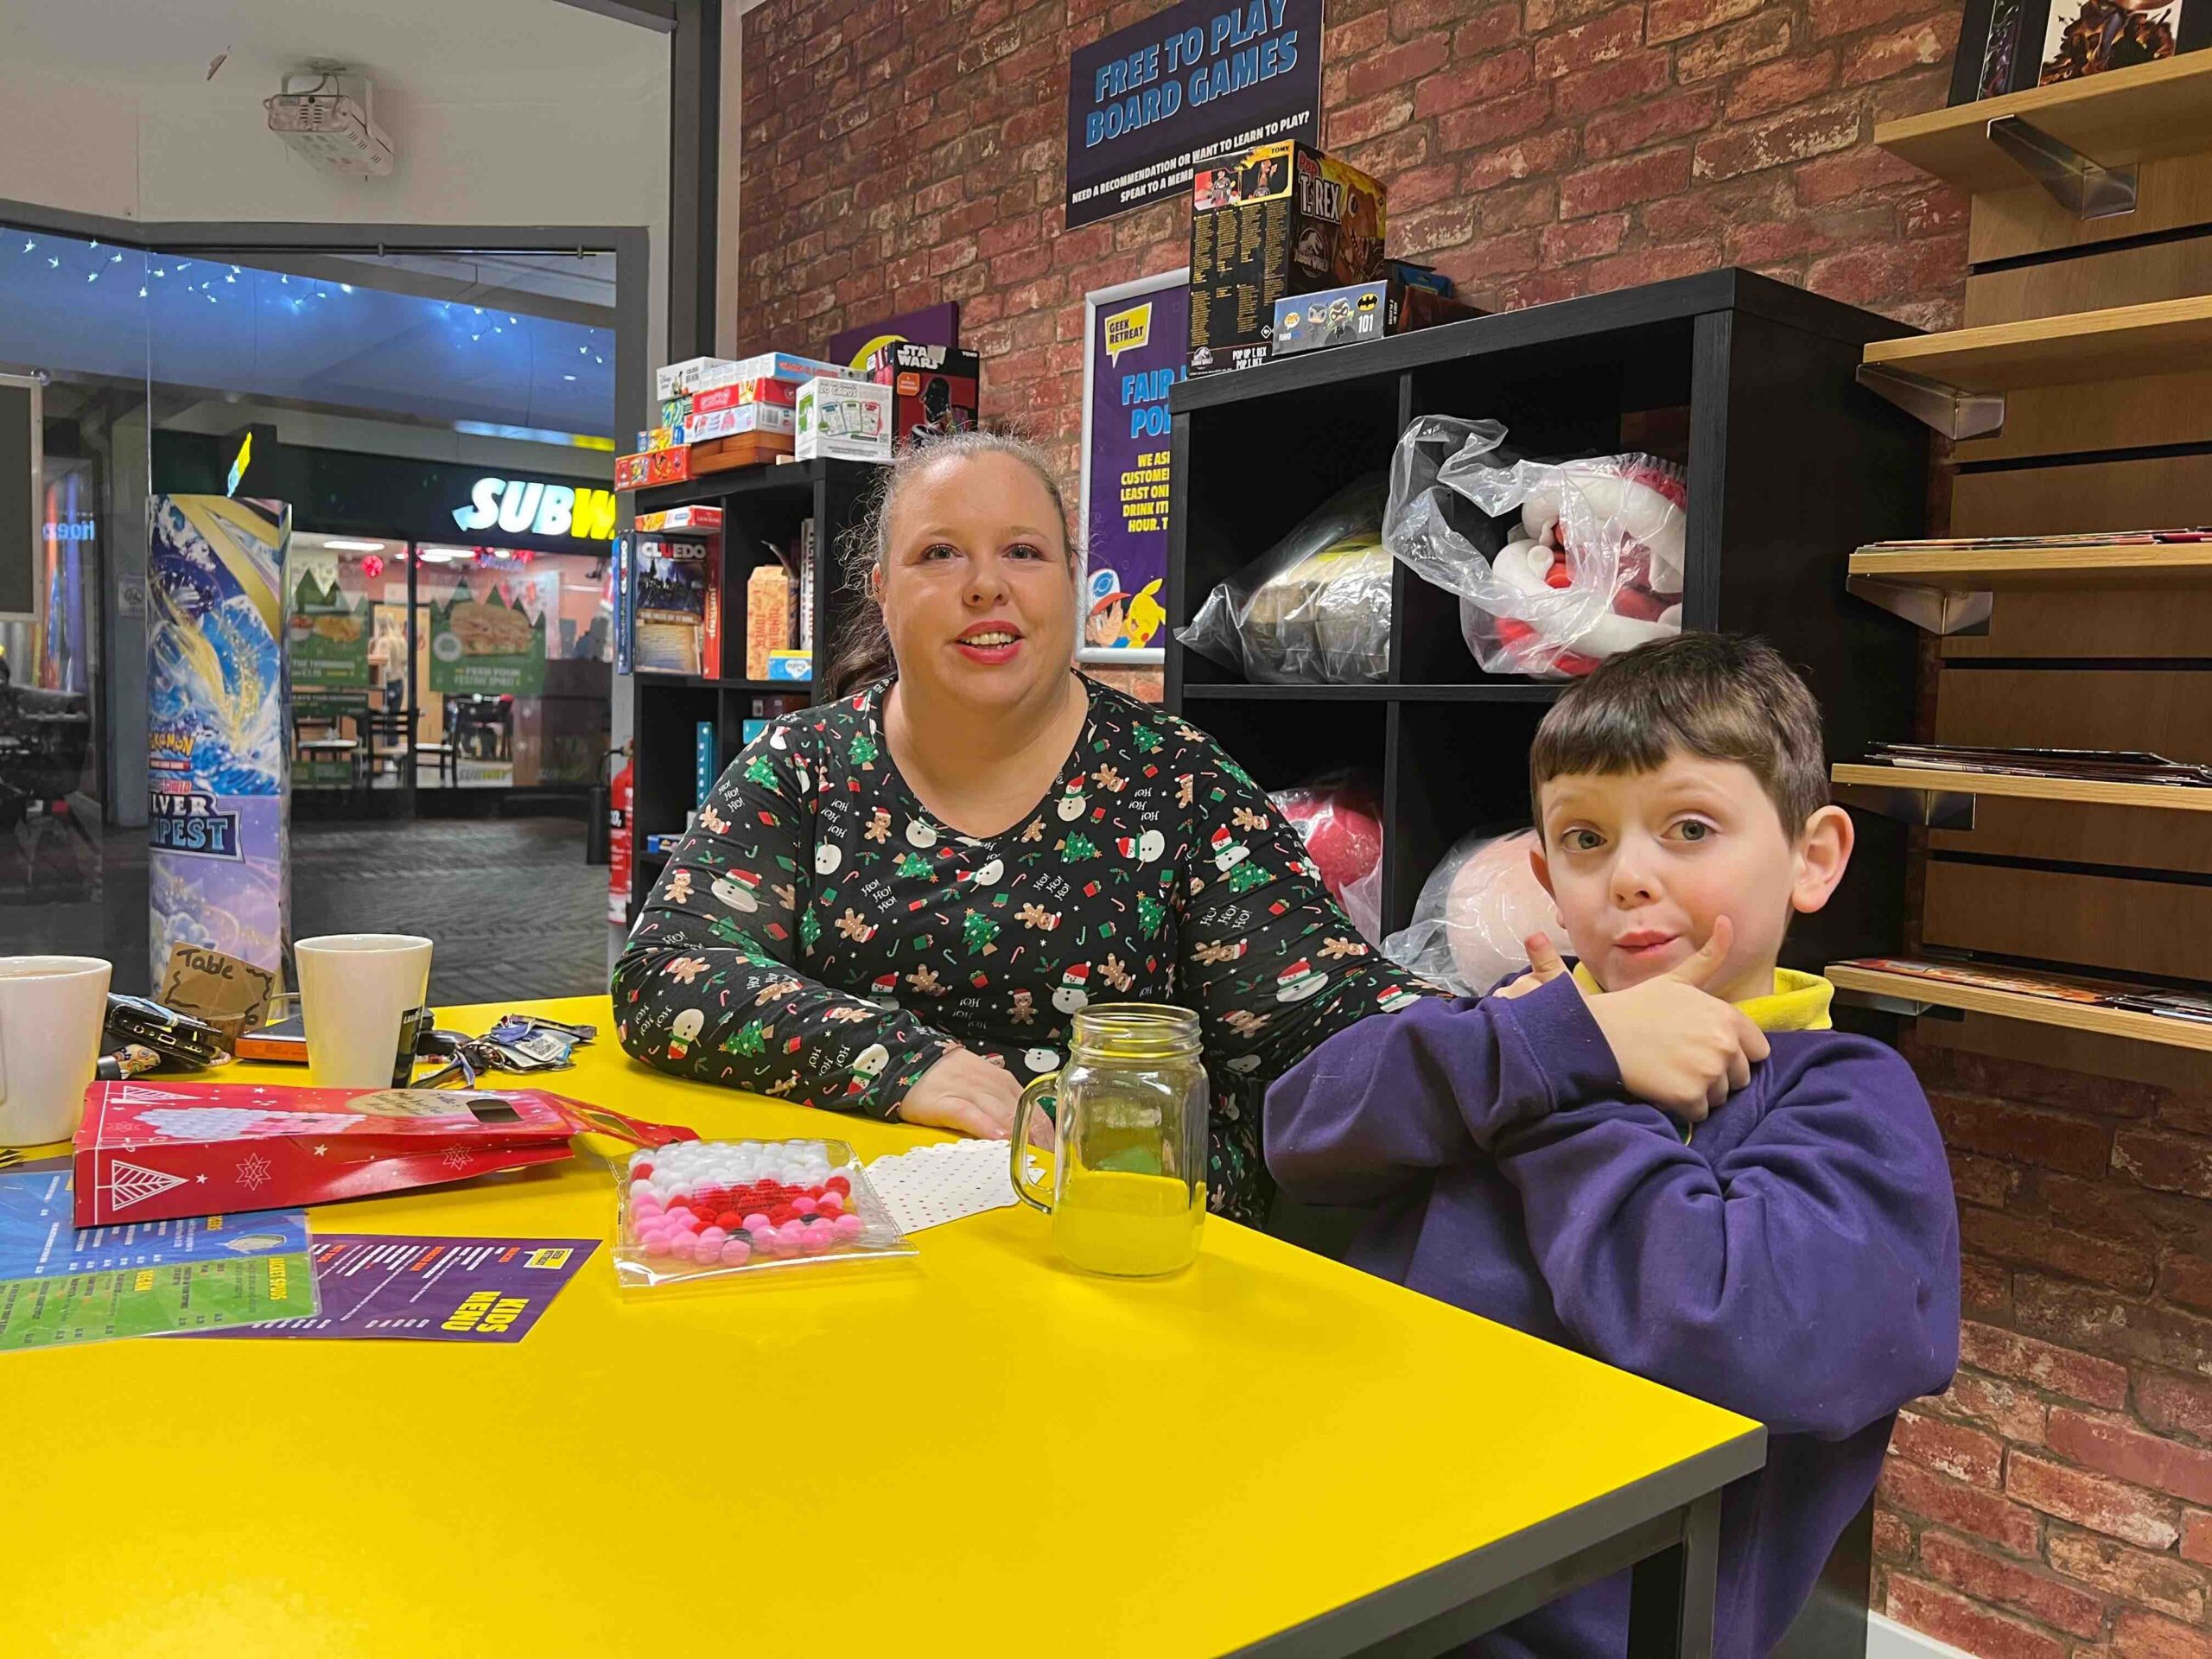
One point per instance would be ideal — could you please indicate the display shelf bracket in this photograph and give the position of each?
(1908, 1007)
(1957, 415)
(1934, 610)
(2082, 187)
(1929, 808)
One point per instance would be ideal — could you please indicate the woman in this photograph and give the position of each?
(893, 903)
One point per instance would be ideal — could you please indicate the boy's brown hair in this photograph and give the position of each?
(1719, 696)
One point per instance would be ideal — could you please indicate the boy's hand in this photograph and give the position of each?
(1678, 1047)
(1544, 966)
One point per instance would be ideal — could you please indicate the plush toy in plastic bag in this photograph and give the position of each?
(1583, 559)
(1313, 609)
(1341, 822)
(1479, 903)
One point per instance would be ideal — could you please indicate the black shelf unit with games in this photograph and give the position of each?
(762, 507)
(1748, 383)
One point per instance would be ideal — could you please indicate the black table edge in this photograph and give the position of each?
(1456, 1600)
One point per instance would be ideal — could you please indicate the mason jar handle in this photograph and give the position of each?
(1035, 1197)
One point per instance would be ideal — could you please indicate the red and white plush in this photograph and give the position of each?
(1614, 525)
(1341, 822)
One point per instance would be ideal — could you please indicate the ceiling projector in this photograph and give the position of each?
(326, 124)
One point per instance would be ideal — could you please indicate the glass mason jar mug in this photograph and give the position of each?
(1129, 1190)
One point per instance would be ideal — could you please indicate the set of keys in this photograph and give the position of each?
(516, 1043)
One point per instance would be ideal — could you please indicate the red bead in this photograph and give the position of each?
(729, 1221)
(843, 1187)
(782, 1213)
(643, 1172)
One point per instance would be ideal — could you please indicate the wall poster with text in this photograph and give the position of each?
(1138, 337)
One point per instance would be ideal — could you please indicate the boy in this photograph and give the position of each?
(1782, 1239)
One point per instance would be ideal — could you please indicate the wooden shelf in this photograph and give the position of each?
(2165, 337)
(1976, 570)
(2124, 115)
(1480, 691)
(2084, 792)
(2015, 1004)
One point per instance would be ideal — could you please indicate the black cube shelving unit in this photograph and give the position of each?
(1747, 383)
(760, 505)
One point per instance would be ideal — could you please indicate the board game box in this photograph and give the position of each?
(1283, 219)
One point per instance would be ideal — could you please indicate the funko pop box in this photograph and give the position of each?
(1283, 219)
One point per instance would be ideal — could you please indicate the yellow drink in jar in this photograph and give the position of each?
(1112, 1221)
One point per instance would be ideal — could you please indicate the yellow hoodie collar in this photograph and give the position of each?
(1798, 1002)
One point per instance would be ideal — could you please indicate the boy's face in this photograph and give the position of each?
(1643, 863)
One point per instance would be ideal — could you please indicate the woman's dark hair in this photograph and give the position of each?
(861, 655)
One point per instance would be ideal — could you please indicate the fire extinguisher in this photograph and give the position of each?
(619, 838)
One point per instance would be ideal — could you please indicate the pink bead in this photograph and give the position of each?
(643, 1207)
(848, 1226)
(756, 1224)
(658, 1245)
(736, 1253)
(706, 1254)
(714, 1235)
(791, 1232)
(829, 1205)
(805, 1206)
(818, 1239)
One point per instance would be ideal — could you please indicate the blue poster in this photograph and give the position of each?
(1138, 346)
(217, 728)
(1149, 103)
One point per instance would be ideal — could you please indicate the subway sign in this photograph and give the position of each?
(526, 507)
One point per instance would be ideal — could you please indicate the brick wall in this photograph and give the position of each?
(897, 153)
(2058, 1501)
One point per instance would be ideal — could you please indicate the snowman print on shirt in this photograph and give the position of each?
(1071, 997)
(1228, 851)
(739, 890)
(827, 858)
(868, 1068)
(989, 874)
(1072, 802)
(1041, 1060)
(921, 835)
(1297, 981)
(683, 1031)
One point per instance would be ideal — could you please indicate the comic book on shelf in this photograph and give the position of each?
(2057, 987)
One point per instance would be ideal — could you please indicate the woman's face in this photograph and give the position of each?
(977, 594)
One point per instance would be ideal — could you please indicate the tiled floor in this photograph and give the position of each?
(513, 908)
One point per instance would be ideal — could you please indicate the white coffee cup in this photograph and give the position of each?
(353, 988)
(52, 1012)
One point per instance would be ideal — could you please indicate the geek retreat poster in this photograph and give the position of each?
(1150, 103)
(1138, 345)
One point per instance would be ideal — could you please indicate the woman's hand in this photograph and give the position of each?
(968, 1095)
(1678, 1047)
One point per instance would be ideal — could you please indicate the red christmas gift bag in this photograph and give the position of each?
(153, 1150)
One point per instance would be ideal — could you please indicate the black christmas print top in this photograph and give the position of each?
(819, 935)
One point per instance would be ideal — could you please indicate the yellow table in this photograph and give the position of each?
(980, 1452)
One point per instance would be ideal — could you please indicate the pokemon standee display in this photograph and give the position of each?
(1558, 564)
(1285, 219)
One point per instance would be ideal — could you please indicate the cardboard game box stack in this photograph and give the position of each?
(1284, 219)
(717, 414)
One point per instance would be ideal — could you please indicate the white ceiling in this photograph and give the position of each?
(442, 51)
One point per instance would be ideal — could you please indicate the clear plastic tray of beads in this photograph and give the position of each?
(698, 1210)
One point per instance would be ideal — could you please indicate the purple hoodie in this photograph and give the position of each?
(1797, 1261)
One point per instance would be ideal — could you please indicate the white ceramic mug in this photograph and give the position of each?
(354, 988)
(52, 1012)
